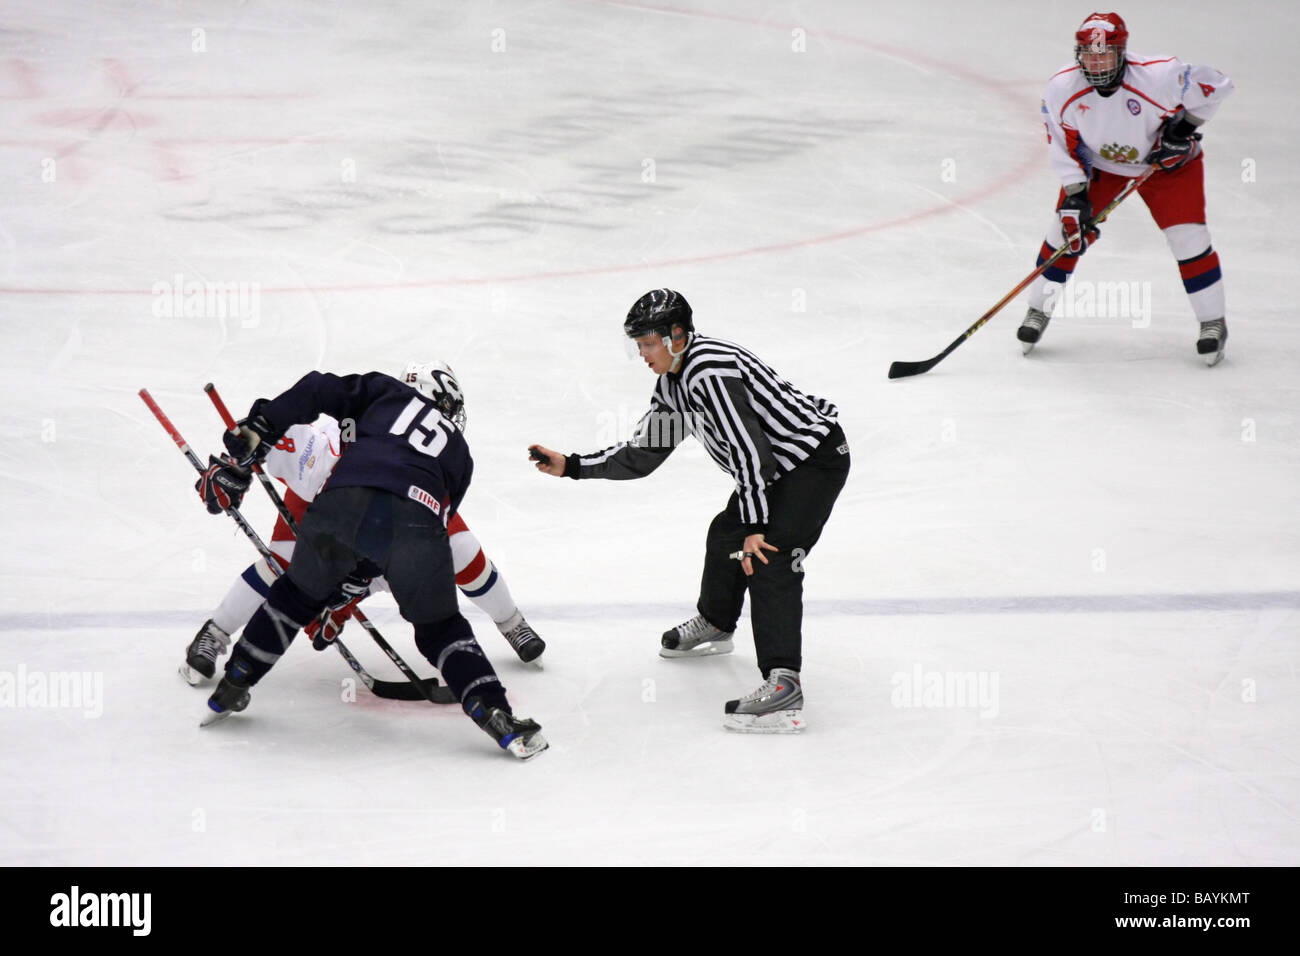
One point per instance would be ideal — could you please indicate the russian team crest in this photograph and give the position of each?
(1119, 154)
(1134, 106)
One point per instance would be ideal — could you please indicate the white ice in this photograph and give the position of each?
(1106, 532)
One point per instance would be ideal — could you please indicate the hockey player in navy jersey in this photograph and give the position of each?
(384, 510)
(303, 460)
(788, 457)
(1110, 116)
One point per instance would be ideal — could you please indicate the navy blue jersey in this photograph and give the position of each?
(393, 437)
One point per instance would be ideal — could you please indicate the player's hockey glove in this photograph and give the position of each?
(341, 604)
(222, 485)
(1075, 211)
(254, 438)
(1175, 143)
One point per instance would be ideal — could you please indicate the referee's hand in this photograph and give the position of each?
(754, 547)
(546, 461)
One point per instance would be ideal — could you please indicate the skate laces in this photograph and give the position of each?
(770, 686)
(1212, 329)
(695, 627)
(520, 634)
(766, 689)
(213, 642)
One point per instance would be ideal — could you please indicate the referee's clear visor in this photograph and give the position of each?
(641, 346)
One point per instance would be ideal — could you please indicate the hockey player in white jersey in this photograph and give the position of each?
(1109, 117)
(303, 460)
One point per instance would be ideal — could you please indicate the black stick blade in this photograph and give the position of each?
(904, 369)
(405, 690)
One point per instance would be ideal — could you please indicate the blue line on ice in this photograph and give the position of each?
(1009, 604)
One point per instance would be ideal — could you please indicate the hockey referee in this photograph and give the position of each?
(789, 459)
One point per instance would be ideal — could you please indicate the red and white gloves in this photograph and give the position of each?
(223, 485)
(327, 627)
(226, 479)
(1075, 211)
(342, 603)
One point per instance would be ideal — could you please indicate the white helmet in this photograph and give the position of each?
(436, 381)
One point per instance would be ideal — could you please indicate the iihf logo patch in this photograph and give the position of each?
(1134, 106)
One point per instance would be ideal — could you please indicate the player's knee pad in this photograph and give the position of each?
(1188, 239)
(289, 600)
(433, 638)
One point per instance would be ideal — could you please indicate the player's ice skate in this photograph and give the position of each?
(1031, 329)
(525, 641)
(695, 638)
(1213, 337)
(519, 736)
(201, 656)
(775, 708)
(230, 697)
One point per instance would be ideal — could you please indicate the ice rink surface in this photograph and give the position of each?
(1101, 542)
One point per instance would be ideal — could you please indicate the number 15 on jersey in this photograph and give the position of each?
(430, 435)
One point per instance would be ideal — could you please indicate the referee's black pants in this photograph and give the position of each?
(799, 503)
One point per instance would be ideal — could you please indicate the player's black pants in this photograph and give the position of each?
(347, 527)
(799, 503)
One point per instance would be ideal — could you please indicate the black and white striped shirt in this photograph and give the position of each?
(754, 424)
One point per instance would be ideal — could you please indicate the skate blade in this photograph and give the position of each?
(212, 717)
(190, 675)
(534, 661)
(524, 749)
(707, 649)
(1213, 358)
(1027, 347)
(777, 722)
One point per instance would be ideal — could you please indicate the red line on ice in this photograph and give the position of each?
(997, 86)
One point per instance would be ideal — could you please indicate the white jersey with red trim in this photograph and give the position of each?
(304, 457)
(1117, 132)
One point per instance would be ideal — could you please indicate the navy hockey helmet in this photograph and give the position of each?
(1099, 47)
(658, 311)
(436, 381)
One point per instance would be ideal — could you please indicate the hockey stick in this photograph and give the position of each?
(419, 687)
(387, 689)
(904, 369)
(262, 476)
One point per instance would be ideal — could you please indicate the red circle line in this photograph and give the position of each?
(1010, 178)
